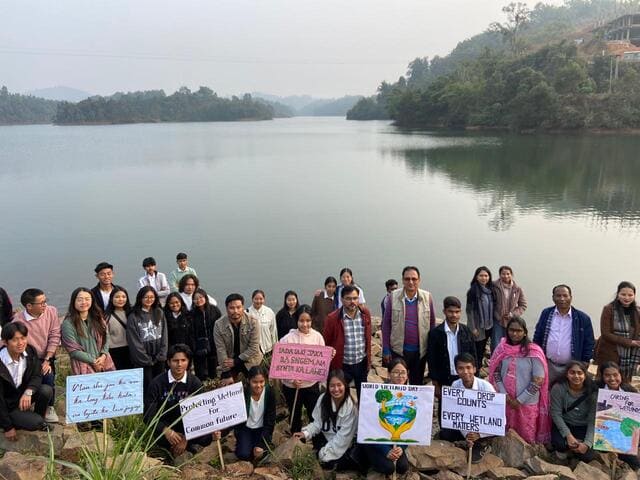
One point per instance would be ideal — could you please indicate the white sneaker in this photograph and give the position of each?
(51, 416)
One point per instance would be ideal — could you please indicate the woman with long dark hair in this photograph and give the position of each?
(147, 334)
(620, 332)
(178, 321)
(573, 411)
(117, 311)
(481, 301)
(346, 278)
(85, 336)
(204, 316)
(286, 316)
(336, 417)
(518, 368)
(6, 308)
(265, 318)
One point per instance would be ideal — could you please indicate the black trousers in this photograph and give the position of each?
(345, 462)
(150, 372)
(381, 464)
(29, 420)
(416, 365)
(205, 366)
(445, 433)
(121, 357)
(307, 397)
(560, 443)
(481, 345)
(357, 372)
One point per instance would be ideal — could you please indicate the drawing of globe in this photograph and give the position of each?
(397, 414)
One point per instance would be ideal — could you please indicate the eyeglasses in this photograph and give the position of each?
(44, 302)
(411, 280)
(352, 299)
(394, 373)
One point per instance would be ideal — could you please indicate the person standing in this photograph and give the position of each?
(409, 315)
(44, 336)
(620, 332)
(323, 303)
(564, 333)
(481, 302)
(102, 291)
(267, 320)
(346, 279)
(154, 279)
(179, 324)
(390, 286)
(286, 316)
(237, 339)
(348, 331)
(203, 319)
(510, 302)
(147, 335)
(116, 313)
(6, 308)
(183, 269)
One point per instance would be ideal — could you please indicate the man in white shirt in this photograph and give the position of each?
(154, 279)
(102, 291)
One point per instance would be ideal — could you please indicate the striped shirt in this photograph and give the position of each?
(355, 349)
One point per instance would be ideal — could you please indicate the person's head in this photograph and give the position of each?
(391, 285)
(506, 274)
(34, 301)
(346, 276)
(175, 304)
(149, 265)
(257, 378)
(146, 299)
(258, 298)
(181, 260)
(104, 274)
(626, 294)
(303, 318)
(350, 295)
(610, 375)
(330, 285)
(82, 306)
(118, 300)
(290, 301)
(465, 368)
(577, 375)
(337, 393)
(482, 276)
(410, 280)
(452, 310)
(398, 371)
(200, 299)
(188, 284)
(561, 295)
(518, 334)
(234, 304)
(14, 335)
(82, 301)
(179, 359)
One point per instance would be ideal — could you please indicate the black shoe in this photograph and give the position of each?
(478, 452)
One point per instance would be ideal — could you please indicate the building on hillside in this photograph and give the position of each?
(624, 28)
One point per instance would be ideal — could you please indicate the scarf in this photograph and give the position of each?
(485, 307)
(629, 356)
(505, 351)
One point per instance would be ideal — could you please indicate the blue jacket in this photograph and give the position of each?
(582, 340)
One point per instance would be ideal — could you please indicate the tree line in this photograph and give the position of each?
(24, 109)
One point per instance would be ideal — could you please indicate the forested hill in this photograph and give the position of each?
(541, 69)
(151, 106)
(24, 109)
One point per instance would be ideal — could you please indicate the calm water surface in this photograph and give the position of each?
(282, 204)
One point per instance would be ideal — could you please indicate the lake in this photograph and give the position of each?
(281, 204)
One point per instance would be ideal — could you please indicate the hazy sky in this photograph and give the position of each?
(326, 48)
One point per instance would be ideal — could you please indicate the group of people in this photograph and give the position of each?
(178, 335)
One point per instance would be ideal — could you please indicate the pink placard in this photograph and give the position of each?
(295, 361)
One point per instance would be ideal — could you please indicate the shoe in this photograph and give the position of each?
(51, 416)
(478, 452)
(561, 455)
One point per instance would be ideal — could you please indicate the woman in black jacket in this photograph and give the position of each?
(203, 318)
(481, 302)
(286, 317)
(178, 321)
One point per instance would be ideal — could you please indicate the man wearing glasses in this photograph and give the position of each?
(44, 336)
(408, 317)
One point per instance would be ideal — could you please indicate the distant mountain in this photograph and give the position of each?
(67, 94)
(306, 105)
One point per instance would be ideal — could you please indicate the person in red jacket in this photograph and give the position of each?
(348, 331)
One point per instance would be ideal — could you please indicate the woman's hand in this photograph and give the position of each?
(394, 454)
(513, 403)
(299, 435)
(475, 332)
(635, 343)
(257, 452)
(572, 441)
(581, 448)
(297, 383)
(217, 435)
(11, 435)
(25, 403)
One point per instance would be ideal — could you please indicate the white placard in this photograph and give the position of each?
(473, 411)
(396, 414)
(215, 410)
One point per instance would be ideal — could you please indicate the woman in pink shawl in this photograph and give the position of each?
(518, 368)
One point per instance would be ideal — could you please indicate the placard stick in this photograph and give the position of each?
(293, 409)
(220, 454)
(395, 462)
(614, 463)
(104, 434)
(469, 462)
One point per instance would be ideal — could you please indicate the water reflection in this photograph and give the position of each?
(596, 178)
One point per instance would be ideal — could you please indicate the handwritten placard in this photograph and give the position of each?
(397, 414)
(617, 427)
(473, 411)
(104, 395)
(295, 361)
(215, 410)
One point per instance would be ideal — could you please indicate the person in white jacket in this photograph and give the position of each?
(154, 279)
(336, 417)
(267, 320)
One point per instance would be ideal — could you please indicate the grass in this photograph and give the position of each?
(304, 464)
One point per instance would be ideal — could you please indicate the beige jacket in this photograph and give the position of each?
(396, 338)
(250, 352)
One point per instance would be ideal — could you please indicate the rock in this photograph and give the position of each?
(35, 443)
(272, 472)
(15, 466)
(447, 475)
(505, 473)
(72, 449)
(410, 476)
(285, 452)
(584, 470)
(375, 476)
(61, 407)
(373, 378)
(238, 469)
(438, 455)
(183, 459)
(382, 372)
(199, 471)
(281, 433)
(539, 467)
(629, 475)
(208, 453)
(489, 462)
(512, 449)
(543, 477)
